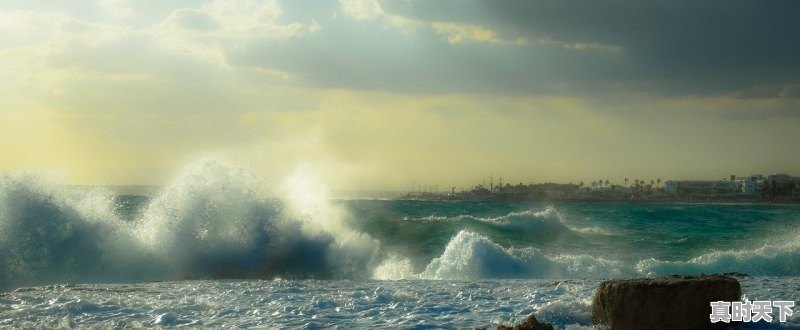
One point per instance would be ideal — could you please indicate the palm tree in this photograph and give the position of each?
(606, 182)
(626, 182)
(658, 181)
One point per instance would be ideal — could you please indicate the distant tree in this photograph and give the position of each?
(606, 182)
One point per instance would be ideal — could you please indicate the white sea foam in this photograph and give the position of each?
(777, 259)
(216, 220)
(472, 256)
(394, 268)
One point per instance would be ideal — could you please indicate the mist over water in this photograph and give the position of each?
(217, 220)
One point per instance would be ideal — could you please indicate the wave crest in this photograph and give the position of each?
(214, 220)
(769, 259)
(472, 256)
(52, 234)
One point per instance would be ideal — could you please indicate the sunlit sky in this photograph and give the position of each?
(379, 94)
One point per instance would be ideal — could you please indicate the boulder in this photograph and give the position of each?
(676, 302)
(531, 323)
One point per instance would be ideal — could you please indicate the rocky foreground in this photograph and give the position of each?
(676, 302)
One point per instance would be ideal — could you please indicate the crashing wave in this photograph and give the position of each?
(472, 256)
(214, 220)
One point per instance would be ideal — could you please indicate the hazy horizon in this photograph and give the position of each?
(370, 95)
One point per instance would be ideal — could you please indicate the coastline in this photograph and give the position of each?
(646, 200)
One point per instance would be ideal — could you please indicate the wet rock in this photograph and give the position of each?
(531, 323)
(677, 302)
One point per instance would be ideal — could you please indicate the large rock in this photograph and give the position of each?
(678, 302)
(531, 323)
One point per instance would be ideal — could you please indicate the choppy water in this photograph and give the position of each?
(313, 262)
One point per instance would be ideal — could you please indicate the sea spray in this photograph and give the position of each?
(452, 256)
(50, 233)
(394, 268)
(216, 220)
(352, 253)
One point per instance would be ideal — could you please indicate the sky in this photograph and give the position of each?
(377, 95)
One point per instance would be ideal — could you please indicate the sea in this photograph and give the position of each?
(214, 248)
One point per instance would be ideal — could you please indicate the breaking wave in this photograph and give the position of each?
(546, 223)
(49, 234)
(768, 259)
(472, 256)
(212, 221)
(216, 221)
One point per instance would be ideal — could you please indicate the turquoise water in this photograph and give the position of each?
(634, 238)
(214, 248)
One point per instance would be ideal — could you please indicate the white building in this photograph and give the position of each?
(753, 184)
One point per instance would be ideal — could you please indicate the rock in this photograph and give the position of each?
(677, 302)
(531, 323)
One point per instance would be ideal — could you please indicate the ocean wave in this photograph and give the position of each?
(546, 223)
(214, 220)
(768, 259)
(471, 256)
(49, 234)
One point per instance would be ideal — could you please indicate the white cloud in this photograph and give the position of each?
(27, 28)
(234, 18)
(362, 10)
(117, 8)
(314, 27)
(458, 33)
(207, 32)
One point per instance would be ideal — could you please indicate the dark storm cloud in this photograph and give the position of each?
(371, 56)
(670, 47)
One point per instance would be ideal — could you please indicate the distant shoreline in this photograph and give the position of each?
(665, 200)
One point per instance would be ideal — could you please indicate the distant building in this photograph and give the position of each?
(771, 186)
(753, 184)
(704, 187)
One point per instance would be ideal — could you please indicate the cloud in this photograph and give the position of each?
(670, 48)
(362, 10)
(207, 31)
(537, 86)
(314, 27)
(117, 8)
(580, 45)
(458, 33)
(248, 19)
